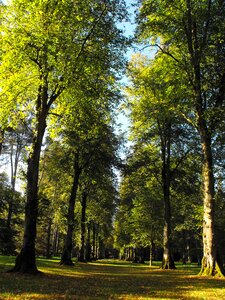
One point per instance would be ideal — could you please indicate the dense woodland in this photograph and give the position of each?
(70, 184)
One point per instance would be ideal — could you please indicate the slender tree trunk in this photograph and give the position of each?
(58, 241)
(135, 256)
(129, 253)
(55, 241)
(26, 261)
(66, 257)
(96, 241)
(101, 248)
(14, 167)
(165, 134)
(93, 241)
(184, 248)
(2, 132)
(88, 243)
(151, 251)
(132, 253)
(167, 262)
(83, 226)
(48, 248)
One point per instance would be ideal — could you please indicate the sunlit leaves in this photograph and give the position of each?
(59, 42)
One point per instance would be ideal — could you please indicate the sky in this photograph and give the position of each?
(128, 28)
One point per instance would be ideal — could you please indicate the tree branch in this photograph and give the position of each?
(163, 49)
(90, 33)
(205, 35)
(179, 162)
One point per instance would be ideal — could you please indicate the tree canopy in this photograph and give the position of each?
(81, 195)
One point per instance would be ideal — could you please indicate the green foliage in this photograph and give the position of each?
(10, 237)
(139, 218)
(56, 45)
(163, 142)
(61, 60)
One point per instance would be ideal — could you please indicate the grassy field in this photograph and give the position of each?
(107, 280)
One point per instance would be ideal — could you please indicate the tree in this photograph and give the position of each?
(15, 141)
(191, 32)
(66, 257)
(55, 44)
(157, 122)
(85, 135)
(140, 213)
(100, 212)
(187, 209)
(54, 188)
(10, 236)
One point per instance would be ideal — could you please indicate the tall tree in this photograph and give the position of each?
(191, 32)
(54, 45)
(15, 141)
(85, 134)
(55, 181)
(157, 123)
(66, 257)
(141, 193)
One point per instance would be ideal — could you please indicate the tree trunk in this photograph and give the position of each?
(14, 167)
(96, 241)
(101, 248)
(184, 248)
(135, 256)
(48, 244)
(1, 139)
(26, 261)
(66, 257)
(93, 241)
(151, 252)
(165, 134)
(88, 243)
(55, 241)
(83, 226)
(209, 264)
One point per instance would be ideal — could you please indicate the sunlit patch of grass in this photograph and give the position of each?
(107, 279)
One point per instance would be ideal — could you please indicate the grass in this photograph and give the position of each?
(107, 279)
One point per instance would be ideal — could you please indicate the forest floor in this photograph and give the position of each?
(107, 279)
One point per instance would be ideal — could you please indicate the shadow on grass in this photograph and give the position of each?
(109, 280)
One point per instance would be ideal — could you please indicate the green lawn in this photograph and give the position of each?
(107, 280)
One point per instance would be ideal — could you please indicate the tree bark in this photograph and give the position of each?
(55, 241)
(83, 226)
(195, 47)
(88, 243)
(151, 252)
(48, 244)
(14, 167)
(101, 248)
(165, 134)
(26, 261)
(2, 132)
(94, 241)
(66, 258)
(209, 263)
